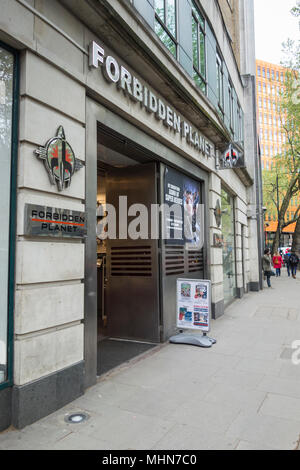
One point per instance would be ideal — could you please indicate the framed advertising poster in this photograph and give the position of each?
(193, 304)
(182, 226)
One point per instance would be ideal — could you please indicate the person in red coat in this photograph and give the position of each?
(277, 263)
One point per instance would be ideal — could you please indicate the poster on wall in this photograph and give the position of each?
(193, 304)
(181, 226)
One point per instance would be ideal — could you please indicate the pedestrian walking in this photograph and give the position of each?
(294, 260)
(277, 263)
(267, 268)
(286, 259)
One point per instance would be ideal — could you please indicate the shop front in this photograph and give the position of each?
(113, 133)
(133, 264)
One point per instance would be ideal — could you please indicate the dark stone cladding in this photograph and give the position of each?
(38, 399)
(217, 309)
(240, 292)
(254, 286)
(5, 408)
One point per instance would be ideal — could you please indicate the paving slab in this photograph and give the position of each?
(260, 366)
(269, 431)
(127, 430)
(232, 393)
(283, 386)
(281, 406)
(214, 417)
(246, 445)
(238, 378)
(181, 437)
(289, 370)
(74, 441)
(153, 402)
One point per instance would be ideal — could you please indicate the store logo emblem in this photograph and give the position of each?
(231, 158)
(59, 158)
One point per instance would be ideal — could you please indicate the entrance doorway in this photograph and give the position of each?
(128, 314)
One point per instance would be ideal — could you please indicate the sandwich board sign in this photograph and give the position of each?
(193, 311)
(193, 304)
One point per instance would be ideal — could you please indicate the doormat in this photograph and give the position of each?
(112, 353)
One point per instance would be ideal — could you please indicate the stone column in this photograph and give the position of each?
(215, 253)
(48, 335)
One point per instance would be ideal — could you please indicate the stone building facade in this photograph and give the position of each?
(203, 100)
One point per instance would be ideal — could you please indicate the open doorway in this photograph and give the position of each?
(128, 314)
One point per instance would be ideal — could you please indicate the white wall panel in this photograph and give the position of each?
(44, 354)
(49, 261)
(49, 85)
(44, 307)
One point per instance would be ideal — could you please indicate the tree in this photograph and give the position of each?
(292, 105)
(296, 237)
(279, 187)
(296, 98)
(283, 182)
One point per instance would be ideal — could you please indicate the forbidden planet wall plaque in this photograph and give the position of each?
(53, 222)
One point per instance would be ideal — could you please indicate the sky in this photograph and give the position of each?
(274, 24)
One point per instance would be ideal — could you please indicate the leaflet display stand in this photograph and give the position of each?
(193, 312)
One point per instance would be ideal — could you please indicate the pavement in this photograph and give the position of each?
(242, 393)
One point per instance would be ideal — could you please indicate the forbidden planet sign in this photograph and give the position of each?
(53, 222)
